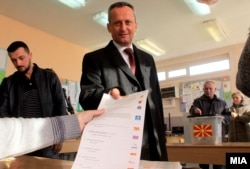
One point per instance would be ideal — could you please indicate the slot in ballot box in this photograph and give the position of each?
(205, 129)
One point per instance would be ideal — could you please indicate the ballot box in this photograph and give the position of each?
(205, 129)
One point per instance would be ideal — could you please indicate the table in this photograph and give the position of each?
(70, 146)
(29, 162)
(206, 154)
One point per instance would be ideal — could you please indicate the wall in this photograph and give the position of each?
(48, 51)
(66, 58)
(232, 52)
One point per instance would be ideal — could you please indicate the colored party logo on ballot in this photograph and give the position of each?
(202, 130)
(136, 137)
(133, 154)
(137, 117)
(139, 107)
(136, 128)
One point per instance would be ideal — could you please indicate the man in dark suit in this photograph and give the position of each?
(107, 70)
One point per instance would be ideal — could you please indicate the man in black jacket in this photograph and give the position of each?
(209, 104)
(31, 92)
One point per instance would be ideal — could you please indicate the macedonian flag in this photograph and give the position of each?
(203, 130)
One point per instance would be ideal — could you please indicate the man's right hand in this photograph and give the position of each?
(197, 111)
(115, 93)
(234, 115)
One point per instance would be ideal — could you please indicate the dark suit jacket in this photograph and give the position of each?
(105, 69)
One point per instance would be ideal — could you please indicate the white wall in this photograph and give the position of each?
(66, 58)
(48, 50)
(232, 52)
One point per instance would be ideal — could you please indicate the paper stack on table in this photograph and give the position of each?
(159, 165)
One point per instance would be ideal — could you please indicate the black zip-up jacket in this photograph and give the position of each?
(49, 89)
(216, 106)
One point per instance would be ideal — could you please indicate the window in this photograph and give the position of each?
(209, 67)
(161, 76)
(177, 73)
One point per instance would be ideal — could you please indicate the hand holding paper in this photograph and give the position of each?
(113, 140)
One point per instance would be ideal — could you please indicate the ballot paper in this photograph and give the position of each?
(113, 140)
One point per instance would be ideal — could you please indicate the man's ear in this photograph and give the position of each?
(30, 54)
(108, 27)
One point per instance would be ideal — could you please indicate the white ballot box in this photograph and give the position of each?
(205, 129)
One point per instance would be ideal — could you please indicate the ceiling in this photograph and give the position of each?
(168, 23)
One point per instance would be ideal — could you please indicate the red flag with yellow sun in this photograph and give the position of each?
(203, 130)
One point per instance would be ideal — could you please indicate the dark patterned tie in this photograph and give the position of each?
(129, 51)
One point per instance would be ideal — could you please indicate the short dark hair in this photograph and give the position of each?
(17, 44)
(119, 4)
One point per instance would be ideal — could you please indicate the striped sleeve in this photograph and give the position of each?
(20, 136)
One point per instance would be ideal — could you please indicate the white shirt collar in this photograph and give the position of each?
(121, 50)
